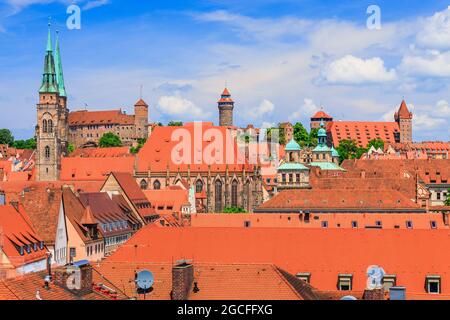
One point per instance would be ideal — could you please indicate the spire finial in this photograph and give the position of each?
(140, 93)
(49, 37)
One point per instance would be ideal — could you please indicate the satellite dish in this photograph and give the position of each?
(145, 280)
(348, 298)
(375, 276)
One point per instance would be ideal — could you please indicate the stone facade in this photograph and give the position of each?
(215, 190)
(87, 127)
(226, 106)
(52, 115)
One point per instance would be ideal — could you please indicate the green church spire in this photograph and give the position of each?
(49, 84)
(59, 70)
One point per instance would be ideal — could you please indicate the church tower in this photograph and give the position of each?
(404, 119)
(226, 106)
(52, 114)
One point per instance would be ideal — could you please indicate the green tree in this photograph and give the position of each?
(349, 149)
(301, 135)
(6, 137)
(447, 201)
(175, 124)
(313, 137)
(234, 210)
(281, 134)
(70, 148)
(141, 143)
(109, 140)
(376, 143)
(25, 144)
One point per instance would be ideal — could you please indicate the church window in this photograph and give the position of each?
(47, 152)
(44, 126)
(144, 185)
(50, 126)
(199, 186)
(218, 196)
(234, 194)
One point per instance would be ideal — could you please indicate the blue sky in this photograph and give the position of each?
(282, 60)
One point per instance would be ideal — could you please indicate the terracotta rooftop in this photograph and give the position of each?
(362, 132)
(215, 281)
(167, 201)
(321, 115)
(403, 112)
(93, 169)
(19, 241)
(328, 200)
(84, 118)
(411, 255)
(156, 155)
(102, 152)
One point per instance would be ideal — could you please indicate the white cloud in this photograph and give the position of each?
(352, 70)
(95, 4)
(423, 121)
(432, 64)
(175, 105)
(442, 109)
(435, 32)
(265, 107)
(305, 111)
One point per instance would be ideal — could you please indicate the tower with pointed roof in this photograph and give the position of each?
(226, 106)
(52, 115)
(404, 119)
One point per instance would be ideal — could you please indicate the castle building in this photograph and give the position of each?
(363, 132)
(226, 106)
(87, 127)
(52, 115)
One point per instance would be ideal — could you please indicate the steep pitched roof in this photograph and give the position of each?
(156, 155)
(321, 115)
(325, 253)
(362, 132)
(16, 232)
(403, 112)
(102, 152)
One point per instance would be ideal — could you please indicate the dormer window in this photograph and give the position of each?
(409, 224)
(41, 245)
(433, 224)
(21, 250)
(304, 276)
(35, 246)
(345, 282)
(28, 248)
(389, 280)
(433, 284)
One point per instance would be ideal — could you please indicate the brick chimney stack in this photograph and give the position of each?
(182, 280)
(375, 294)
(75, 278)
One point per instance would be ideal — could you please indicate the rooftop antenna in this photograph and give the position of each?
(85, 106)
(140, 93)
(144, 281)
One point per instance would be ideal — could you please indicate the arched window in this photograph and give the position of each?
(199, 186)
(50, 126)
(234, 194)
(156, 185)
(47, 152)
(218, 196)
(44, 126)
(144, 184)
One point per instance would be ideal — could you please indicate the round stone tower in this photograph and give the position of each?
(226, 106)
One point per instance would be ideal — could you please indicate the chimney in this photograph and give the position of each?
(182, 279)
(397, 293)
(76, 278)
(375, 294)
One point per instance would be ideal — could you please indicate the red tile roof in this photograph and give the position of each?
(362, 132)
(409, 254)
(328, 200)
(403, 111)
(215, 281)
(16, 232)
(141, 103)
(167, 201)
(93, 169)
(158, 154)
(84, 118)
(102, 152)
(334, 220)
(321, 115)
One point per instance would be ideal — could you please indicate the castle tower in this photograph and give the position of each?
(226, 106)
(141, 119)
(51, 128)
(404, 119)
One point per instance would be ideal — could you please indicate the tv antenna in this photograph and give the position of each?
(144, 281)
